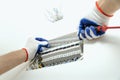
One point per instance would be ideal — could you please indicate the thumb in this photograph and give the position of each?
(42, 45)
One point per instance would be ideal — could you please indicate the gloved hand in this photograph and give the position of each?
(87, 26)
(35, 45)
(87, 30)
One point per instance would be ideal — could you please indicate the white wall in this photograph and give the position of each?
(23, 18)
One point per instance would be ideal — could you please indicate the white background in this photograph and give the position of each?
(20, 19)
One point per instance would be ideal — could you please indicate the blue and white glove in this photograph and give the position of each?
(35, 45)
(87, 30)
(88, 24)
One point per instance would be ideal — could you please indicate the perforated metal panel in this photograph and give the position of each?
(64, 49)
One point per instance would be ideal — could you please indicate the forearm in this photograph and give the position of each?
(109, 6)
(11, 60)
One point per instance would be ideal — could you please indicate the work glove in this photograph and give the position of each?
(88, 24)
(53, 11)
(35, 45)
(54, 14)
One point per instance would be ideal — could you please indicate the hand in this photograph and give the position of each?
(87, 26)
(87, 30)
(35, 45)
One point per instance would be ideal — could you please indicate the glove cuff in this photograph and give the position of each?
(97, 15)
(26, 54)
(100, 10)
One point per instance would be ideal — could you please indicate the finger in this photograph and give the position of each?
(40, 39)
(81, 27)
(81, 37)
(82, 34)
(87, 33)
(41, 47)
(44, 44)
(101, 32)
(93, 32)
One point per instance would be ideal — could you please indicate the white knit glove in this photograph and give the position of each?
(54, 14)
(98, 17)
(88, 24)
(35, 45)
